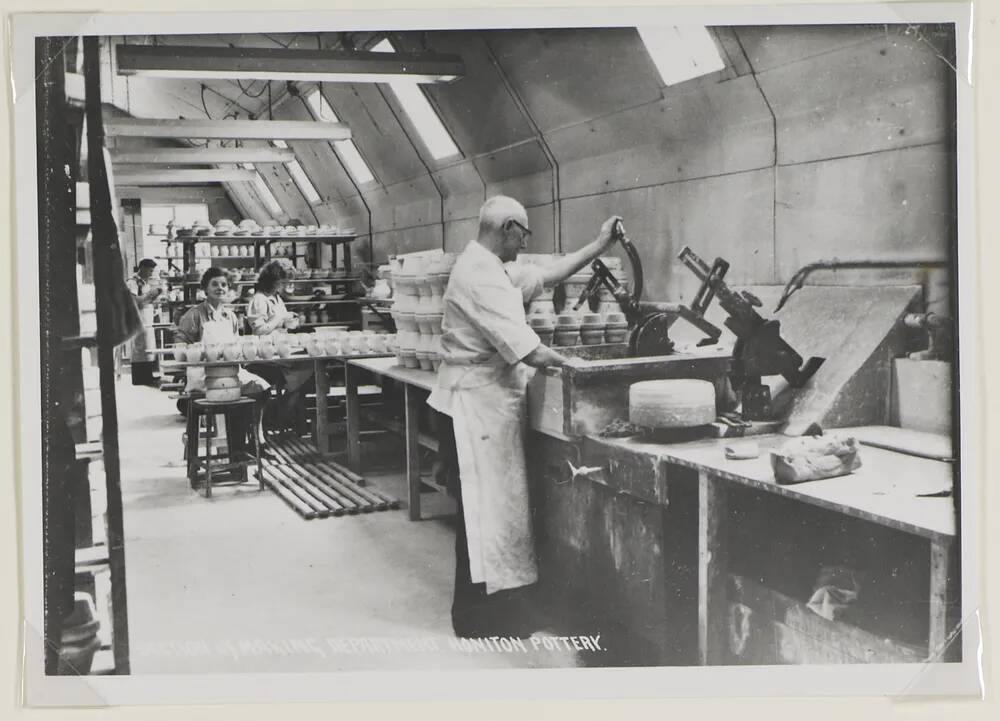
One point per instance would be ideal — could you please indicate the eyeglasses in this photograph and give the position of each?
(524, 231)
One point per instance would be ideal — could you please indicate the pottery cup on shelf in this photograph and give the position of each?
(616, 332)
(249, 349)
(231, 351)
(265, 348)
(314, 347)
(331, 345)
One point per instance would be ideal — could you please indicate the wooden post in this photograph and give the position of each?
(320, 427)
(938, 628)
(353, 417)
(58, 317)
(712, 596)
(105, 235)
(412, 405)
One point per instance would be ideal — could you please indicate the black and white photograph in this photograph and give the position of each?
(447, 355)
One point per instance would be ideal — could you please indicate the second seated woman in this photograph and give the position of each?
(268, 314)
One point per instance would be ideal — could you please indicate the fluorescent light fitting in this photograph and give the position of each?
(226, 129)
(201, 156)
(681, 52)
(346, 149)
(331, 66)
(418, 109)
(182, 177)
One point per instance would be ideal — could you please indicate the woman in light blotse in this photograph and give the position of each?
(190, 329)
(146, 293)
(266, 315)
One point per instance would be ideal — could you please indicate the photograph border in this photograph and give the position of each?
(960, 678)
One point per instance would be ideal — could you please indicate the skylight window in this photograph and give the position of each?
(418, 109)
(302, 180)
(298, 174)
(346, 149)
(273, 206)
(681, 52)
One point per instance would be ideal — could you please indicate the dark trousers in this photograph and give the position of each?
(474, 613)
(142, 373)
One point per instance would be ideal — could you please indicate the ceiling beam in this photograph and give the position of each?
(186, 177)
(228, 129)
(286, 64)
(202, 156)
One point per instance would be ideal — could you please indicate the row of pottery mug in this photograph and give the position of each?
(246, 349)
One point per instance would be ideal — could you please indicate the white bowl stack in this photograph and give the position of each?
(222, 383)
(404, 311)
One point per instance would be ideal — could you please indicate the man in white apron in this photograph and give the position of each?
(141, 285)
(487, 348)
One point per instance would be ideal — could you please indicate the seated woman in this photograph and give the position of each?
(213, 313)
(191, 327)
(267, 314)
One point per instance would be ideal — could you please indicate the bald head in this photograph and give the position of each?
(498, 210)
(503, 225)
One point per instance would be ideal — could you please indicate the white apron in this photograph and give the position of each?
(146, 338)
(489, 410)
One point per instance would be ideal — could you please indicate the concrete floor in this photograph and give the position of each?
(241, 583)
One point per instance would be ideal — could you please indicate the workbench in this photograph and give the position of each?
(643, 539)
(621, 532)
(417, 385)
(886, 490)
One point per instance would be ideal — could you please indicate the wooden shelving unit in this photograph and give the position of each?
(263, 247)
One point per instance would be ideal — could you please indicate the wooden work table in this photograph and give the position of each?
(321, 434)
(417, 384)
(891, 489)
(887, 489)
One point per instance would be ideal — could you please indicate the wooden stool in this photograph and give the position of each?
(241, 420)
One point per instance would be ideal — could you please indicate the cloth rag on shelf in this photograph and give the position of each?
(814, 458)
(837, 590)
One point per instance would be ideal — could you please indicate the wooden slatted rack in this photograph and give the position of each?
(315, 486)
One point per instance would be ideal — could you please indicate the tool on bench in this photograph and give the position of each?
(650, 321)
(759, 349)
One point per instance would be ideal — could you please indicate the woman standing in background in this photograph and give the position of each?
(141, 286)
